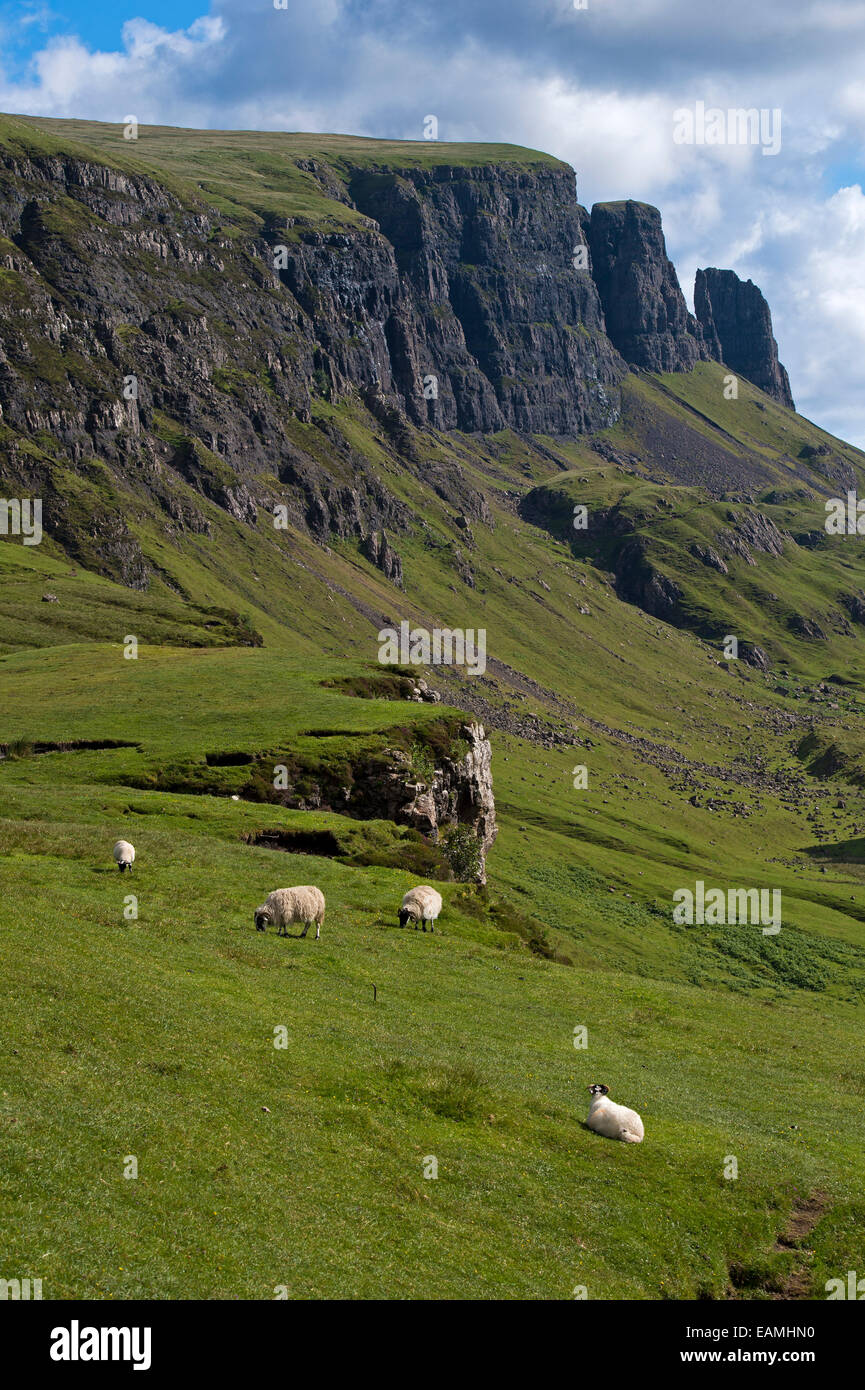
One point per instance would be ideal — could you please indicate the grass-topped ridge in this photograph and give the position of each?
(254, 176)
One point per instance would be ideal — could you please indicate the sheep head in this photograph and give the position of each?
(262, 918)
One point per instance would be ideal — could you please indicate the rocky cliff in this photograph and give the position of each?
(155, 337)
(644, 308)
(737, 329)
(487, 299)
(455, 789)
(460, 792)
(170, 338)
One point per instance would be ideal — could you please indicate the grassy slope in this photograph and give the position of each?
(155, 1037)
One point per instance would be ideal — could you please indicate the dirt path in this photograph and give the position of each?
(803, 1219)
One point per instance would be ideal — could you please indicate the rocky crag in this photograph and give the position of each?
(645, 312)
(148, 336)
(737, 328)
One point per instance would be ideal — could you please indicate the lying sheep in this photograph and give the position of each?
(124, 855)
(422, 905)
(614, 1121)
(287, 905)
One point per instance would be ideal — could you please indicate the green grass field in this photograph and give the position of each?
(303, 1166)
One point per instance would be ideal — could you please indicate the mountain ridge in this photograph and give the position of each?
(465, 298)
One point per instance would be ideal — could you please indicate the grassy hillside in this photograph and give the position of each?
(154, 1037)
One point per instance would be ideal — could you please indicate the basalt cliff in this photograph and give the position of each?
(155, 332)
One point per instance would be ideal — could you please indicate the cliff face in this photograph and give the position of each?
(646, 315)
(458, 307)
(737, 328)
(460, 793)
(465, 275)
(490, 301)
(150, 337)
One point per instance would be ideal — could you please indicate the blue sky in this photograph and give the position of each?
(598, 87)
(26, 27)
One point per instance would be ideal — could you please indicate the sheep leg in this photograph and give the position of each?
(317, 930)
(305, 930)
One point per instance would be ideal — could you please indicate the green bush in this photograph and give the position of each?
(423, 763)
(462, 850)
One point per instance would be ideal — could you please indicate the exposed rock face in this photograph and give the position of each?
(461, 793)
(754, 656)
(644, 308)
(385, 787)
(488, 300)
(751, 531)
(458, 306)
(639, 581)
(379, 551)
(855, 604)
(454, 299)
(709, 557)
(737, 330)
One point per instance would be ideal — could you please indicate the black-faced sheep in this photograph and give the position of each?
(612, 1120)
(422, 905)
(287, 905)
(124, 855)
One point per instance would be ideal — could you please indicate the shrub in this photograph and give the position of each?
(423, 763)
(462, 850)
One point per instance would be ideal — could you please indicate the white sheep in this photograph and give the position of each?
(422, 905)
(124, 855)
(287, 905)
(614, 1121)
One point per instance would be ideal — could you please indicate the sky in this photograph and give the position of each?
(603, 86)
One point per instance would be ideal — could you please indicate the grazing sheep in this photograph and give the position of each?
(421, 905)
(287, 905)
(124, 855)
(614, 1121)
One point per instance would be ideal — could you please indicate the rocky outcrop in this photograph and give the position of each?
(750, 531)
(454, 787)
(709, 557)
(737, 330)
(155, 352)
(379, 551)
(459, 793)
(855, 605)
(646, 315)
(640, 582)
(452, 302)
